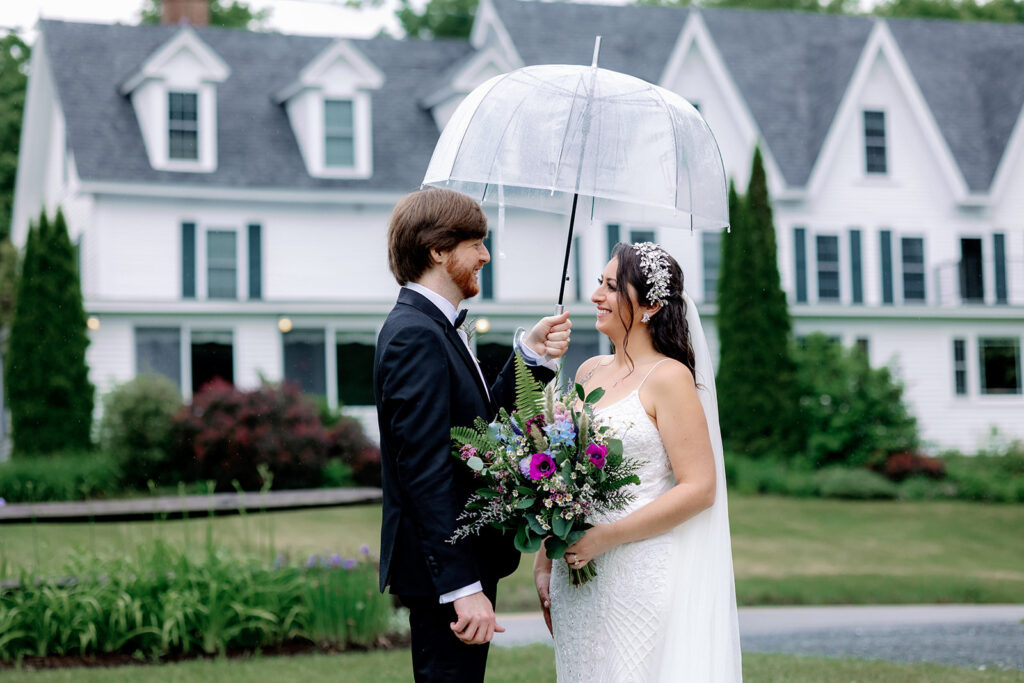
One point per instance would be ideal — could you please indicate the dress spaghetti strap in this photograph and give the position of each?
(649, 373)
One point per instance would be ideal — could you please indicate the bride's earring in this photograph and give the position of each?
(646, 318)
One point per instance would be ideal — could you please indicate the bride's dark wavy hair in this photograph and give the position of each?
(670, 333)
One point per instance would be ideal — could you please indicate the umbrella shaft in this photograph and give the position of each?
(568, 248)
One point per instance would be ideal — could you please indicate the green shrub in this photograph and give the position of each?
(348, 444)
(855, 413)
(750, 476)
(854, 484)
(922, 487)
(60, 477)
(161, 601)
(137, 426)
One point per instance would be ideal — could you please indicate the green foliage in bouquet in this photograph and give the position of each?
(544, 469)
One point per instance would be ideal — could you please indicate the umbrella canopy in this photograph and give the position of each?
(538, 136)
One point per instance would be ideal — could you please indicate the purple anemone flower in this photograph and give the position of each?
(542, 466)
(598, 453)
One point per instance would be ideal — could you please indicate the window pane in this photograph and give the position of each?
(338, 117)
(304, 361)
(959, 367)
(1000, 366)
(182, 126)
(339, 151)
(355, 372)
(828, 267)
(222, 264)
(913, 269)
(711, 243)
(158, 350)
(874, 141)
(636, 236)
(183, 144)
(182, 106)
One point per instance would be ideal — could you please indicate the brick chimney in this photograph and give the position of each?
(193, 12)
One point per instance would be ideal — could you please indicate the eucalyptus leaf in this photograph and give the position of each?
(594, 396)
(575, 536)
(487, 493)
(524, 503)
(556, 548)
(475, 463)
(560, 526)
(535, 525)
(580, 392)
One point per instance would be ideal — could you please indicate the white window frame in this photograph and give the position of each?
(866, 143)
(839, 267)
(902, 272)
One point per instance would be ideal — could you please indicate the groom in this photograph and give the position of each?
(427, 381)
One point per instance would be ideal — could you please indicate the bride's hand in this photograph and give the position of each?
(542, 580)
(596, 541)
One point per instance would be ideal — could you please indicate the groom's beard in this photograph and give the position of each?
(463, 277)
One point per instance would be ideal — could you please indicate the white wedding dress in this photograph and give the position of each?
(664, 608)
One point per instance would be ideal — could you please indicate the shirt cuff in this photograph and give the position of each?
(461, 593)
(529, 355)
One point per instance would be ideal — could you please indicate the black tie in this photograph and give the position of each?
(460, 318)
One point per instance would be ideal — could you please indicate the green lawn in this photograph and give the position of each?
(533, 664)
(800, 551)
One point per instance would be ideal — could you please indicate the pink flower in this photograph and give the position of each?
(597, 454)
(542, 466)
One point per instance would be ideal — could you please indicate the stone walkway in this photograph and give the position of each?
(976, 636)
(176, 507)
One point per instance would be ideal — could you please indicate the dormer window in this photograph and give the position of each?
(174, 95)
(339, 134)
(329, 108)
(183, 125)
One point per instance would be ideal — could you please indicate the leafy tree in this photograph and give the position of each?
(234, 15)
(14, 54)
(437, 19)
(48, 385)
(856, 414)
(757, 384)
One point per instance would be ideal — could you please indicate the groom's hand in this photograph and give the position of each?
(550, 336)
(477, 624)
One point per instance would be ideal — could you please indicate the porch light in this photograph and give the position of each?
(285, 325)
(483, 325)
(93, 323)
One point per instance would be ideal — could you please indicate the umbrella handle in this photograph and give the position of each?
(559, 309)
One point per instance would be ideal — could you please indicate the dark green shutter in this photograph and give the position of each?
(188, 260)
(255, 261)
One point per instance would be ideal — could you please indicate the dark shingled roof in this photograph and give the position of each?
(793, 68)
(256, 146)
(972, 77)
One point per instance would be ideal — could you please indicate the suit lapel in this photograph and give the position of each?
(425, 306)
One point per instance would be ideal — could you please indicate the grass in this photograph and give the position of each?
(786, 551)
(534, 664)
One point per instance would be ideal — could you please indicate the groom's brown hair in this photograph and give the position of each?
(432, 218)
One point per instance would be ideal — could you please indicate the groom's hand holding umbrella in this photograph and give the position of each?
(550, 336)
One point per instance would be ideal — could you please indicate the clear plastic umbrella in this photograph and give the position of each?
(562, 138)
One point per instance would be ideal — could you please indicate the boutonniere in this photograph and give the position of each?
(468, 328)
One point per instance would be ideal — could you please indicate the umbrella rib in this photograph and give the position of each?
(675, 144)
(470, 123)
(565, 136)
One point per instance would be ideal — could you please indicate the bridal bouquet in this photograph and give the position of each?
(543, 469)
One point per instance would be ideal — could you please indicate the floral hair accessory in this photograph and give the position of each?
(654, 266)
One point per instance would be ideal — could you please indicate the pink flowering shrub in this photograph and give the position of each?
(226, 433)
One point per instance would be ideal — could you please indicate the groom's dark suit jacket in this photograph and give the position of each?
(426, 382)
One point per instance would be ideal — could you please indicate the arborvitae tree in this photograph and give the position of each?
(48, 385)
(757, 385)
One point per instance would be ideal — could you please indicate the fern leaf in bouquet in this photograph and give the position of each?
(529, 394)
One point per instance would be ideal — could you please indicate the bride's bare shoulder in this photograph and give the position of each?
(588, 366)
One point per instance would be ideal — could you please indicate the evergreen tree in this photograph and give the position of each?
(48, 385)
(757, 385)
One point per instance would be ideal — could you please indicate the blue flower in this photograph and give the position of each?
(349, 564)
(311, 562)
(561, 433)
(2, 502)
(336, 560)
(365, 550)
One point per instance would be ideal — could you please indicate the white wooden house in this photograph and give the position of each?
(229, 191)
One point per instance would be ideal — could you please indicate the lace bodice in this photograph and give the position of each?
(641, 440)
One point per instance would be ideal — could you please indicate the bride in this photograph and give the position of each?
(663, 605)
